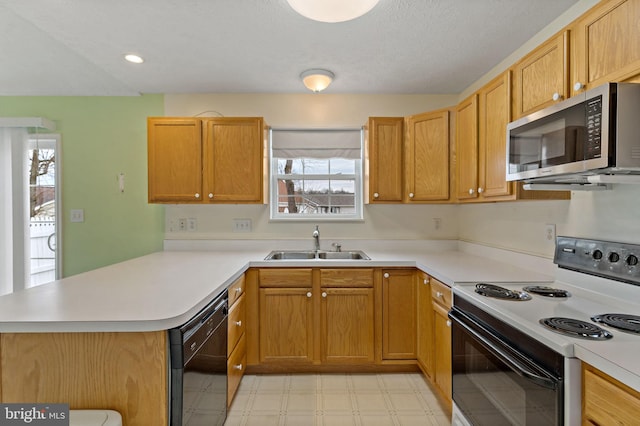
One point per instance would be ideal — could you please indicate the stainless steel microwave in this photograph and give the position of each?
(595, 132)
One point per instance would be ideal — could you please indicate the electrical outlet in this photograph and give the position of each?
(437, 223)
(192, 224)
(550, 232)
(241, 225)
(182, 224)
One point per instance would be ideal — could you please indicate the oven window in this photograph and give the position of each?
(489, 392)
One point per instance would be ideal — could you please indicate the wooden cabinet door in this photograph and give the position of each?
(399, 309)
(442, 350)
(347, 325)
(174, 148)
(233, 166)
(606, 44)
(606, 401)
(542, 74)
(467, 148)
(425, 325)
(385, 162)
(427, 157)
(495, 106)
(286, 325)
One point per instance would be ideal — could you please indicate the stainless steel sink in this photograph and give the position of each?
(320, 255)
(353, 255)
(288, 255)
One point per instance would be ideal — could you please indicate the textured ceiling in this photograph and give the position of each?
(76, 47)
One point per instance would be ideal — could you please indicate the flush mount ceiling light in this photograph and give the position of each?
(317, 80)
(134, 58)
(332, 10)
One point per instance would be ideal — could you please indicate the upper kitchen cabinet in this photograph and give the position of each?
(175, 159)
(541, 77)
(481, 149)
(481, 125)
(212, 160)
(605, 45)
(427, 157)
(385, 180)
(467, 148)
(234, 160)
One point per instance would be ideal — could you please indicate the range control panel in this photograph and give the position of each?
(618, 261)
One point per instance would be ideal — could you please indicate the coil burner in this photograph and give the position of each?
(547, 291)
(624, 322)
(575, 328)
(492, 290)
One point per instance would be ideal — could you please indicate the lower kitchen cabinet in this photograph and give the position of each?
(424, 344)
(124, 371)
(236, 340)
(606, 401)
(286, 325)
(441, 304)
(399, 311)
(347, 316)
(320, 316)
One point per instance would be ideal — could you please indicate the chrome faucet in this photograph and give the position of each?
(316, 237)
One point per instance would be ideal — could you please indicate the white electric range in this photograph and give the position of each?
(509, 367)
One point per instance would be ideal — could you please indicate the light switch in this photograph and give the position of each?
(77, 215)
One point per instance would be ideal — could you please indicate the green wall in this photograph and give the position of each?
(101, 138)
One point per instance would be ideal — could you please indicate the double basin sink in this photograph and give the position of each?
(320, 255)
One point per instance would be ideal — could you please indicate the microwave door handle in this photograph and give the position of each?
(514, 364)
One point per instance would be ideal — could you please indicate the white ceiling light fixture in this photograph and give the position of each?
(332, 11)
(316, 79)
(133, 58)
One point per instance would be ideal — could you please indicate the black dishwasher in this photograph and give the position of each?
(199, 367)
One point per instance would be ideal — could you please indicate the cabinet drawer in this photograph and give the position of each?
(285, 277)
(236, 290)
(346, 277)
(236, 364)
(441, 293)
(236, 324)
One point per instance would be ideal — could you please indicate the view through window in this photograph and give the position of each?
(316, 174)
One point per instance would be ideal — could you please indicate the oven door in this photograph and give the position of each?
(493, 384)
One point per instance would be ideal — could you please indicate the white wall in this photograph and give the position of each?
(311, 111)
(519, 226)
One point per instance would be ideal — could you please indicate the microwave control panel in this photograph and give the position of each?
(593, 146)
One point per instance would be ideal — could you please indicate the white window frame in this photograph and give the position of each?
(357, 177)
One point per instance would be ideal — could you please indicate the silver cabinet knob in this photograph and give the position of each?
(578, 86)
(376, 195)
(308, 294)
(448, 323)
(386, 275)
(324, 294)
(411, 195)
(439, 294)
(239, 290)
(210, 195)
(556, 96)
(480, 190)
(425, 281)
(239, 323)
(471, 191)
(238, 366)
(197, 195)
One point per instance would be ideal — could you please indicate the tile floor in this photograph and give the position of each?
(336, 400)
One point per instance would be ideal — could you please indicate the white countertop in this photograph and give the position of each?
(165, 289)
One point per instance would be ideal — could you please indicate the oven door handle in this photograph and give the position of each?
(514, 364)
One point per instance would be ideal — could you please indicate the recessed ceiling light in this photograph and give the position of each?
(134, 58)
(332, 10)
